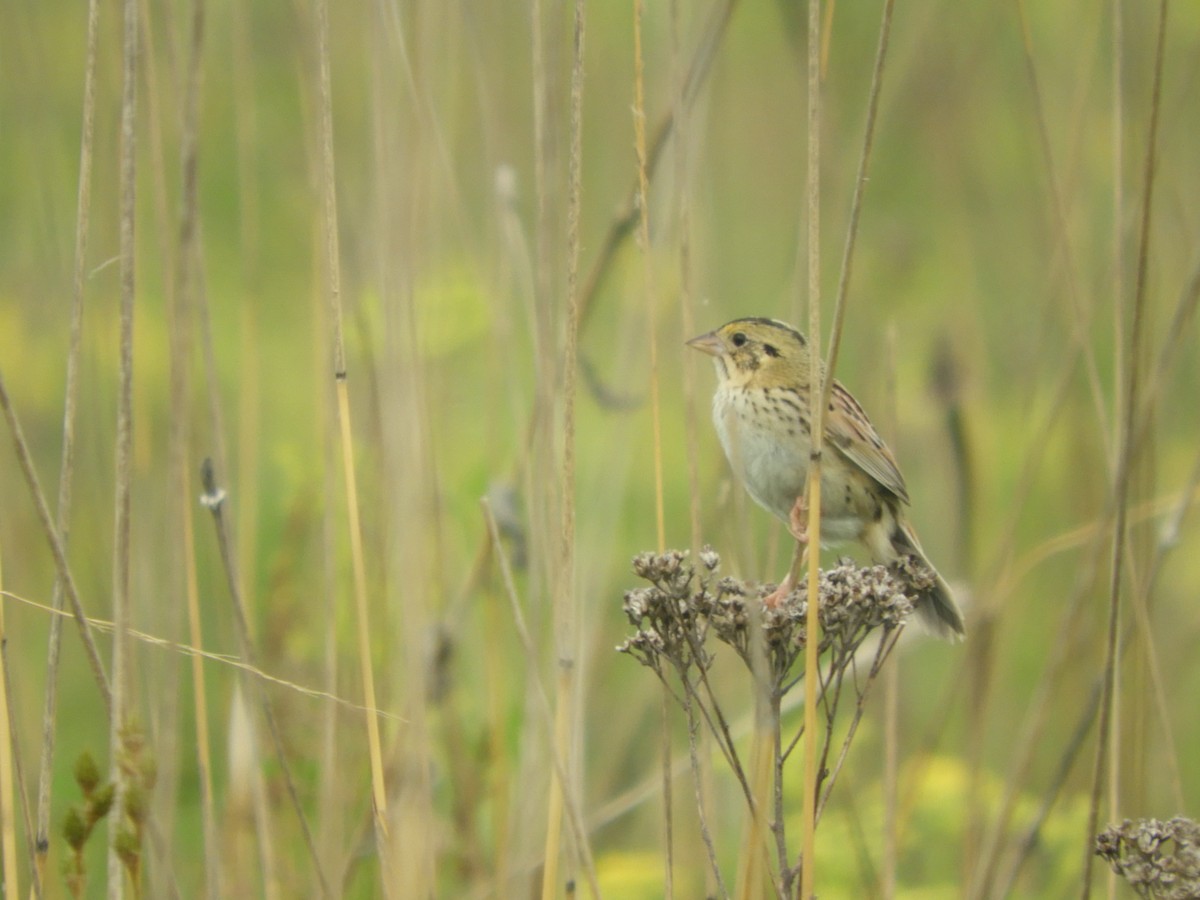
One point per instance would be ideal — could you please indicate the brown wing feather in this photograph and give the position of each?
(849, 429)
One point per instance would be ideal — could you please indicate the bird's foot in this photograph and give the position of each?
(775, 599)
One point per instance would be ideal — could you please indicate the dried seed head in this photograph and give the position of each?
(682, 606)
(1159, 859)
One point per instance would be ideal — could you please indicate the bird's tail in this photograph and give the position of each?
(936, 607)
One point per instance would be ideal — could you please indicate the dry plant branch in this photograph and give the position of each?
(686, 605)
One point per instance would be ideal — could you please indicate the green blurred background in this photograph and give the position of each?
(999, 245)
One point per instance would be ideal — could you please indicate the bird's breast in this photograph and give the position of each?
(766, 439)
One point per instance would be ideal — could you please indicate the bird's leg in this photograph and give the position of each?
(775, 599)
(798, 526)
(798, 519)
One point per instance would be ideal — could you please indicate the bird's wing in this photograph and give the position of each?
(849, 429)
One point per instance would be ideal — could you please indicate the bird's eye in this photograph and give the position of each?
(739, 339)
(770, 350)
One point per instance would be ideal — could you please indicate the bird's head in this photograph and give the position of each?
(763, 351)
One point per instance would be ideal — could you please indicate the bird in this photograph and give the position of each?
(762, 416)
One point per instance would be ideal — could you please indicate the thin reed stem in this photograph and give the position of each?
(564, 601)
(695, 759)
(8, 746)
(648, 298)
(121, 683)
(180, 432)
(358, 560)
(56, 545)
(860, 188)
(573, 817)
(1074, 746)
(66, 477)
(1080, 311)
(813, 491)
(214, 499)
(1126, 450)
(626, 220)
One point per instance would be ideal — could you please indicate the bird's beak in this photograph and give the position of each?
(710, 343)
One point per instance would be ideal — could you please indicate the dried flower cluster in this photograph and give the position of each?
(682, 605)
(1159, 859)
(686, 602)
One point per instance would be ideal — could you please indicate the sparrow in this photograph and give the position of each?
(761, 414)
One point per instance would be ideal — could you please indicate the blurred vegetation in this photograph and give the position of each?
(1000, 235)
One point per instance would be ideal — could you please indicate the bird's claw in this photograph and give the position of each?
(775, 599)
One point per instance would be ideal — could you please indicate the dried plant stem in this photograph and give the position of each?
(573, 817)
(329, 823)
(626, 220)
(561, 740)
(1083, 727)
(214, 498)
(643, 207)
(1080, 311)
(686, 299)
(564, 600)
(701, 762)
(180, 437)
(67, 465)
(699, 781)
(639, 131)
(8, 819)
(362, 609)
(498, 666)
(860, 187)
(668, 814)
(718, 725)
(232, 662)
(56, 545)
(124, 447)
(199, 694)
(882, 652)
(891, 753)
(752, 869)
(1125, 459)
(762, 767)
(813, 491)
